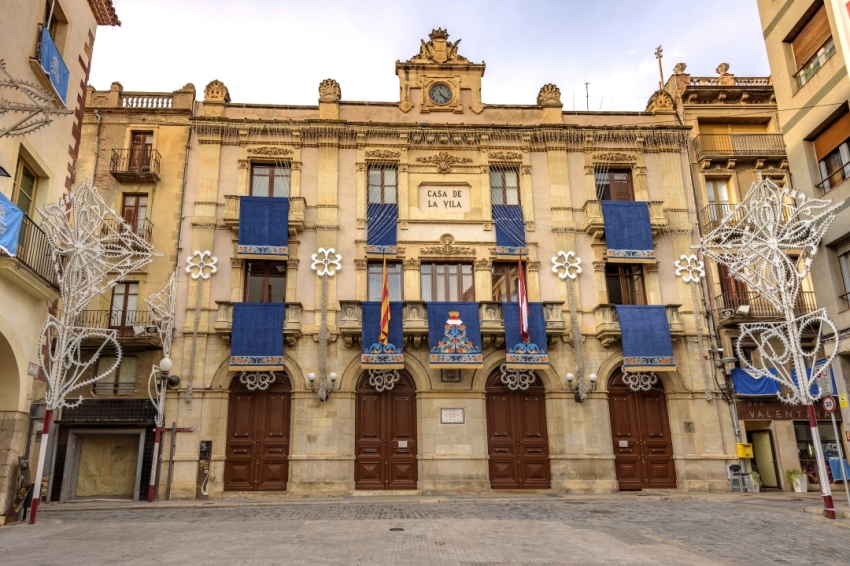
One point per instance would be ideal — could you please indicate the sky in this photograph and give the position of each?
(278, 51)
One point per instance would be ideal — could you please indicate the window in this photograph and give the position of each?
(375, 281)
(717, 191)
(56, 23)
(812, 46)
(504, 186)
(832, 150)
(383, 184)
(844, 264)
(625, 284)
(120, 381)
(447, 282)
(134, 211)
(505, 282)
(26, 183)
(270, 181)
(614, 184)
(265, 282)
(141, 148)
(125, 298)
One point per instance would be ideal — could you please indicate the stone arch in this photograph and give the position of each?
(414, 368)
(405, 377)
(670, 380)
(547, 376)
(223, 377)
(12, 371)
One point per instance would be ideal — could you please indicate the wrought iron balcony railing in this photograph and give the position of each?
(713, 214)
(127, 323)
(34, 251)
(739, 145)
(755, 305)
(142, 227)
(135, 164)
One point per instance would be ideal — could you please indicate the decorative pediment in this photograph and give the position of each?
(505, 156)
(383, 154)
(329, 91)
(549, 96)
(660, 100)
(444, 161)
(447, 249)
(269, 151)
(216, 92)
(438, 49)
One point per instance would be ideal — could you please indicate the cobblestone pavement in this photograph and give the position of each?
(475, 532)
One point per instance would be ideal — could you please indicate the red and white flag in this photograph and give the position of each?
(523, 305)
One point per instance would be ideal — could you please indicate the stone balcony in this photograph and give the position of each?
(594, 223)
(607, 329)
(297, 206)
(291, 321)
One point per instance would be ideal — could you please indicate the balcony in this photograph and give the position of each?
(135, 165)
(291, 321)
(715, 213)
(608, 331)
(594, 223)
(725, 146)
(135, 328)
(142, 227)
(32, 267)
(49, 67)
(297, 205)
(734, 307)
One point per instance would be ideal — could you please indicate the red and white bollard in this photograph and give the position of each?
(826, 493)
(42, 452)
(152, 485)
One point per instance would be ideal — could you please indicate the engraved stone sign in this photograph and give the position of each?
(444, 198)
(452, 416)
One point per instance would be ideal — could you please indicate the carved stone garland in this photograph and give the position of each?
(567, 265)
(383, 379)
(517, 379)
(692, 270)
(257, 380)
(200, 266)
(326, 262)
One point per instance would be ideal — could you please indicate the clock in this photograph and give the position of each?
(440, 94)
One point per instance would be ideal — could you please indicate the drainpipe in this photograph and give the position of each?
(96, 144)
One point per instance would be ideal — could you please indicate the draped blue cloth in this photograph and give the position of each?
(510, 229)
(835, 466)
(628, 233)
(256, 342)
(646, 338)
(746, 385)
(520, 355)
(263, 228)
(381, 221)
(815, 390)
(374, 354)
(454, 336)
(11, 218)
(53, 65)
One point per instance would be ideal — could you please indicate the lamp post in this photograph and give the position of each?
(580, 389)
(166, 380)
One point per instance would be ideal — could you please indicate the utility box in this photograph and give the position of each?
(745, 450)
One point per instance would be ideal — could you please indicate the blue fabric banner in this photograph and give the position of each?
(628, 233)
(374, 354)
(510, 229)
(11, 218)
(263, 228)
(835, 467)
(381, 220)
(646, 338)
(454, 336)
(815, 390)
(520, 355)
(256, 342)
(746, 385)
(53, 65)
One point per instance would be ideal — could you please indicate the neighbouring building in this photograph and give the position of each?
(806, 49)
(285, 379)
(48, 44)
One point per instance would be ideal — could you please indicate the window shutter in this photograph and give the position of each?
(811, 38)
(832, 137)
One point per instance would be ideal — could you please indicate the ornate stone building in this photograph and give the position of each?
(289, 214)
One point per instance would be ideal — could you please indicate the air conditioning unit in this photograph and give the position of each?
(727, 313)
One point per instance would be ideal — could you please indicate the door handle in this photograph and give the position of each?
(240, 451)
(278, 451)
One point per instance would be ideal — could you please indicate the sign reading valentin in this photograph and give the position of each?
(444, 198)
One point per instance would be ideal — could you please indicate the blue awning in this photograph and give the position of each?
(374, 354)
(525, 355)
(646, 338)
(256, 342)
(510, 229)
(263, 228)
(628, 233)
(746, 385)
(454, 336)
(381, 221)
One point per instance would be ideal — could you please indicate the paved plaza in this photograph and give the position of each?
(450, 530)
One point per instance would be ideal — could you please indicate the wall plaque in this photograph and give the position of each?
(444, 198)
(452, 416)
(689, 426)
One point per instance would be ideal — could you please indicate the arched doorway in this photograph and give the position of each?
(9, 379)
(385, 436)
(257, 455)
(516, 435)
(640, 429)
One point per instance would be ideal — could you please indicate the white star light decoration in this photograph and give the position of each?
(201, 265)
(161, 307)
(566, 264)
(326, 262)
(690, 268)
(517, 379)
(383, 379)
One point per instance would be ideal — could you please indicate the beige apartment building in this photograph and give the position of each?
(48, 44)
(289, 215)
(806, 51)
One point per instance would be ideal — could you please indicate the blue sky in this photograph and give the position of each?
(278, 51)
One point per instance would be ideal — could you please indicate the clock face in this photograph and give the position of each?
(440, 94)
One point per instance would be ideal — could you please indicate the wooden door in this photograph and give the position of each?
(385, 445)
(640, 429)
(140, 148)
(134, 211)
(518, 442)
(257, 453)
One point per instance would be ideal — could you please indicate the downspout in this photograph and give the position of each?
(96, 144)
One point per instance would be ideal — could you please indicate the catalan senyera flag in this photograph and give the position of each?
(522, 297)
(385, 307)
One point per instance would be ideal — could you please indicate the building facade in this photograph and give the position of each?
(49, 45)
(290, 214)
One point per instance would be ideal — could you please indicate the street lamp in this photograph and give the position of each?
(580, 389)
(323, 393)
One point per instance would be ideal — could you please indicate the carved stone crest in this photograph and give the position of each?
(447, 248)
(269, 151)
(329, 91)
(216, 92)
(549, 96)
(722, 68)
(439, 49)
(444, 161)
(614, 156)
(383, 154)
(679, 68)
(660, 100)
(505, 156)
